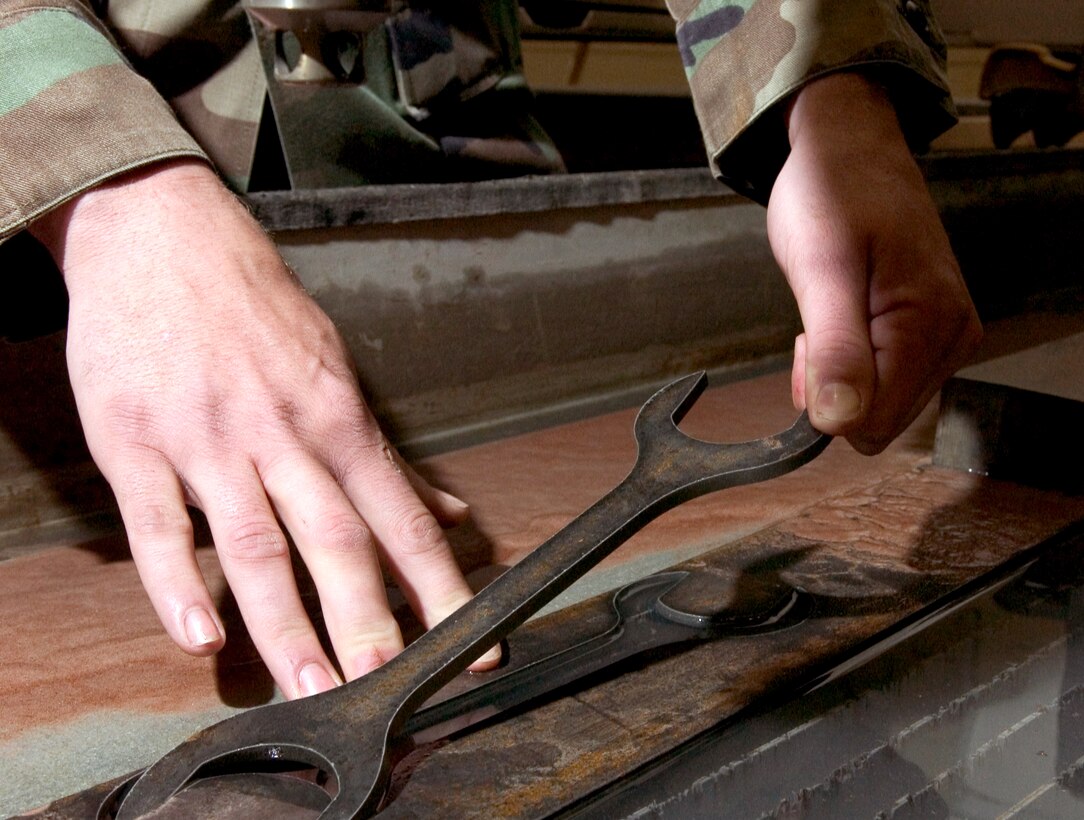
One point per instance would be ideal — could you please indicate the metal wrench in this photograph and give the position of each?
(352, 733)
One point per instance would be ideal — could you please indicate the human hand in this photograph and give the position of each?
(886, 314)
(204, 374)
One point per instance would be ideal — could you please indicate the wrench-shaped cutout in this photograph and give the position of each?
(642, 622)
(352, 732)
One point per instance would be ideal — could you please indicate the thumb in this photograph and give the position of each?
(834, 370)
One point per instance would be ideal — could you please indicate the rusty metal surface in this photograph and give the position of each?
(870, 559)
(284, 796)
(352, 732)
(977, 716)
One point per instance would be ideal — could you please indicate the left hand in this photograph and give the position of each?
(205, 375)
(886, 313)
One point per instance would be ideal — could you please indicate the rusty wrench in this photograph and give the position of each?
(351, 733)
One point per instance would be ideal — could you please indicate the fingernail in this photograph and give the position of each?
(455, 500)
(314, 679)
(200, 628)
(490, 660)
(838, 402)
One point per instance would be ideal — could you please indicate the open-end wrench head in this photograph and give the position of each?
(690, 467)
(668, 406)
(317, 732)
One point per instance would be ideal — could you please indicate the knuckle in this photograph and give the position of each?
(969, 331)
(253, 540)
(141, 483)
(287, 414)
(213, 412)
(357, 422)
(824, 266)
(839, 350)
(972, 336)
(364, 447)
(344, 533)
(151, 520)
(375, 633)
(841, 344)
(148, 422)
(128, 419)
(418, 534)
(290, 639)
(370, 646)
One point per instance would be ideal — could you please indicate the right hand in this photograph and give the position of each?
(886, 313)
(205, 375)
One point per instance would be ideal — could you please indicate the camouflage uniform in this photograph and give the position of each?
(742, 57)
(76, 110)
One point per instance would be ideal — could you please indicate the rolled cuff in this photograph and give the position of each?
(743, 66)
(73, 114)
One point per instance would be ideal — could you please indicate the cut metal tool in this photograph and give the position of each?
(353, 734)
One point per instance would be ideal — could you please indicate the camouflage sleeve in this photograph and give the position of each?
(72, 112)
(202, 58)
(744, 57)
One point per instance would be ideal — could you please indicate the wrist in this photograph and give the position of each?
(101, 215)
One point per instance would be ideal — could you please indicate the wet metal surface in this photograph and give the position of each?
(977, 716)
(1007, 432)
(551, 758)
(980, 715)
(644, 620)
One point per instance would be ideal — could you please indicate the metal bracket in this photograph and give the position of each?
(329, 106)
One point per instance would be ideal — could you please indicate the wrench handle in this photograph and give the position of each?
(670, 468)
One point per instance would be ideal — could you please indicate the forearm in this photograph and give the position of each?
(109, 217)
(844, 106)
